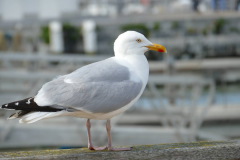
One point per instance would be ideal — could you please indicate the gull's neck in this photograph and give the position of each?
(140, 65)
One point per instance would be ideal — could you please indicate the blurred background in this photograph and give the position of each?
(193, 93)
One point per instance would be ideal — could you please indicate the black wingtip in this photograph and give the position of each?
(17, 104)
(29, 104)
(4, 106)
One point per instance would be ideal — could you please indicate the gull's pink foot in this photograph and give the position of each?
(119, 149)
(97, 148)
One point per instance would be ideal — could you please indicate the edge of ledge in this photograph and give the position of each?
(202, 149)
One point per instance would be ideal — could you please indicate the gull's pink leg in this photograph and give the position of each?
(90, 146)
(110, 147)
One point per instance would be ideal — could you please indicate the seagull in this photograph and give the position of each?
(100, 90)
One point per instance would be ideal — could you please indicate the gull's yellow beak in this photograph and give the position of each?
(157, 47)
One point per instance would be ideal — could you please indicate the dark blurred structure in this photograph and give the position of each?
(238, 5)
(195, 4)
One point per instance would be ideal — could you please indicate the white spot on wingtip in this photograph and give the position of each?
(28, 102)
(16, 104)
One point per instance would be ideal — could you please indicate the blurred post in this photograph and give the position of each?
(56, 38)
(89, 37)
(170, 70)
(2, 42)
(17, 39)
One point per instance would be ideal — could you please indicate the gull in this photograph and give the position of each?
(100, 90)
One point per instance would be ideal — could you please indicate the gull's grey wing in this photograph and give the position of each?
(100, 87)
(106, 70)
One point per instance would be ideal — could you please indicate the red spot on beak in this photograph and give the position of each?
(160, 50)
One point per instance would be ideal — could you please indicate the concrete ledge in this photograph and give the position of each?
(196, 150)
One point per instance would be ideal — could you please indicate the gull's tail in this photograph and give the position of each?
(30, 112)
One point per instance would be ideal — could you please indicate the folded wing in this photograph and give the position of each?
(100, 87)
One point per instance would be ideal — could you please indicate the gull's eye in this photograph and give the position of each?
(139, 40)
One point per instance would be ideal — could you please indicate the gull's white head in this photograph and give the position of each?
(134, 43)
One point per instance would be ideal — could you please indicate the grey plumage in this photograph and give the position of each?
(106, 70)
(100, 87)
